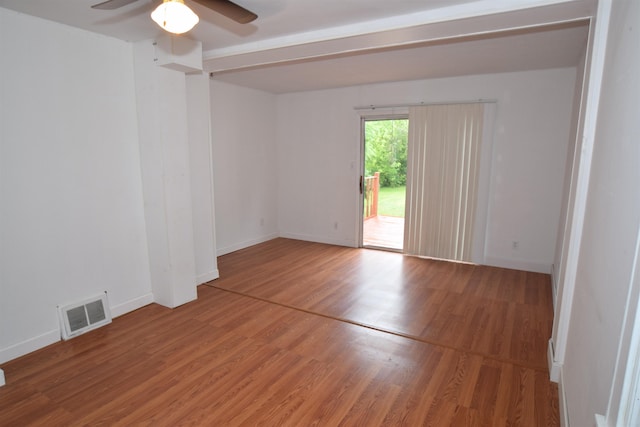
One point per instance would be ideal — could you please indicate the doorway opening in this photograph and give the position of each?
(384, 182)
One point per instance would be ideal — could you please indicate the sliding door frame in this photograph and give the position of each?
(486, 163)
(400, 113)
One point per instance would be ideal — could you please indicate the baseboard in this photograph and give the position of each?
(27, 346)
(236, 247)
(48, 338)
(207, 277)
(562, 397)
(317, 239)
(129, 306)
(304, 237)
(2, 381)
(554, 367)
(515, 264)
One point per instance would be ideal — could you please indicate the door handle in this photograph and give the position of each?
(361, 183)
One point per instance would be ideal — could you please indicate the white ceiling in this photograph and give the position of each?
(276, 18)
(271, 53)
(542, 49)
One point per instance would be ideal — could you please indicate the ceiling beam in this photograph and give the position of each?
(462, 25)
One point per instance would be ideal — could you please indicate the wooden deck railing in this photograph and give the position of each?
(371, 187)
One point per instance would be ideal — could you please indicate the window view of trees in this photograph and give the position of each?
(386, 150)
(386, 153)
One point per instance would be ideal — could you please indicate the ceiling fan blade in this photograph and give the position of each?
(228, 9)
(112, 4)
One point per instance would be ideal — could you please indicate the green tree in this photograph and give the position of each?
(386, 150)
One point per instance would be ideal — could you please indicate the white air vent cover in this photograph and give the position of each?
(81, 317)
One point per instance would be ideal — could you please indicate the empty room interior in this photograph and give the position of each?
(182, 213)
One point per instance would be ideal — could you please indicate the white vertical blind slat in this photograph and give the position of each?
(442, 175)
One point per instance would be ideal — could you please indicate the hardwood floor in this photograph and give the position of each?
(299, 334)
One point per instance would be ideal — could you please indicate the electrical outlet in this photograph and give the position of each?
(335, 225)
(514, 245)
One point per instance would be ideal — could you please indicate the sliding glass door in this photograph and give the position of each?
(384, 181)
(424, 190)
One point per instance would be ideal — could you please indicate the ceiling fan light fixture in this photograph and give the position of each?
(174, 16)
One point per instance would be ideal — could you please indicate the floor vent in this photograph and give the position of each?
(84, 316)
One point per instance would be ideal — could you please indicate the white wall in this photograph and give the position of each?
(243, 127)
(570, 179)
(71, 208)
(319, 155)
(105, 178)
(166, 177)
(318, 165)
(201, 172)
(605, 295)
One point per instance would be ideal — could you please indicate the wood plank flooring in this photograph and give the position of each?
(300, 334)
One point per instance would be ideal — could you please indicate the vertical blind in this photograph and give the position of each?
(442, 179)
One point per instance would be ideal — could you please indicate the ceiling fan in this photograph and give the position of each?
(170, 10)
